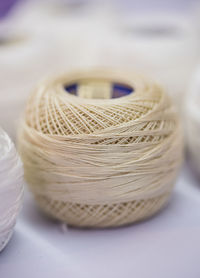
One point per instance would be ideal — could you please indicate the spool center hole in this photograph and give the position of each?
(98, 89)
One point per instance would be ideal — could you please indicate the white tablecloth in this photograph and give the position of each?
(167, 245)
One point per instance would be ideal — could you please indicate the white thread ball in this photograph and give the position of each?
(192, 119)
(11, 187)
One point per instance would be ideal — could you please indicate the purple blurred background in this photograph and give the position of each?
(6, 6)
(177, 5)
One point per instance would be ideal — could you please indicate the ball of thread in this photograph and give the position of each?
(94, 159)
(192, 120)
(11, 187)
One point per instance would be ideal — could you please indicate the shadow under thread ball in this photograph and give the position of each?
(100, 148)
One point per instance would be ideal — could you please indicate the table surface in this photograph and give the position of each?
(167, 245)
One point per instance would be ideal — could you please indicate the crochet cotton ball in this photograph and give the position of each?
(100, 148)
